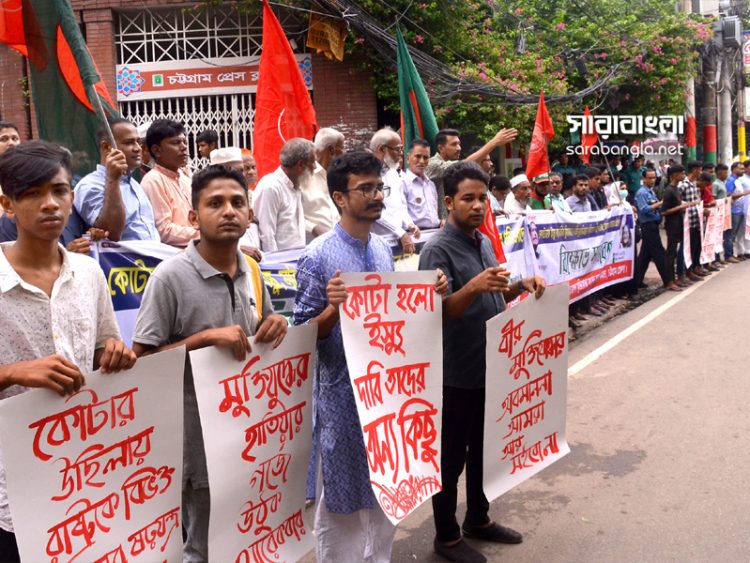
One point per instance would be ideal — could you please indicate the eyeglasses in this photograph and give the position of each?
(369, 190)
(398, 148)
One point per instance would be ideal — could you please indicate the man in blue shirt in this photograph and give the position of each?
(109, 198)
(348, 519)
(649, 218)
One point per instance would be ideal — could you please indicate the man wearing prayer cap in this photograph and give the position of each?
(517, 201)
(539, 191)
(228, 156)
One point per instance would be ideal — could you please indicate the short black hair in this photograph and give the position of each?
(693, 165)
(499, 183)
(674, 169)
(736, 165)
(418, 143)
(102, 131)
(162, 129)
(591, 172)
(9, 125)
(208, 136)
(581, 178)
(354, 162)
(721, 166)
(646, 171)
(519, 170)
(443, 134)
(464, 170)
(707, 165)
(746, 163)
(705, 177)
(31, 164)
(212, 172)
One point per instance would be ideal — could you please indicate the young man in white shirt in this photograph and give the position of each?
(58, 324)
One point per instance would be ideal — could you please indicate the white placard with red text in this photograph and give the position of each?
(98, 476)
(687, 252)
(526, 397)
(713, 235)
(256, 417)
(392, 328)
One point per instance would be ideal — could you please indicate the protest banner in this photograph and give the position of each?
(526, 390)
(97, 476)
(591, 250)
(256, 417)
(127, 267)
(713, 235)
(513, 236)
(727, 204)
(686, 243)
(391, 324)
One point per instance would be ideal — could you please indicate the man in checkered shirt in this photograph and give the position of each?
(690, 192)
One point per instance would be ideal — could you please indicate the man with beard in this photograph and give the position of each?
(387, 148)
(449, 153)
(349, 523)
(168, 185)
(517, 201)
(277, 200)
(539, 191)
(419, 190)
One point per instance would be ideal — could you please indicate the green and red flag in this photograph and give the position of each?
(65, 83)
(283, 108)
(417, 119)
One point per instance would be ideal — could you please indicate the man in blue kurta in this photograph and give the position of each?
(349, 523)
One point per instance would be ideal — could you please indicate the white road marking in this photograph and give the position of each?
(597, 353)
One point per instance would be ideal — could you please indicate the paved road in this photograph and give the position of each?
(659, 429)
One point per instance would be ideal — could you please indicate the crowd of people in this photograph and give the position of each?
(332, 203)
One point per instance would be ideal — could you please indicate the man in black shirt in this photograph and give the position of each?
(478, 288)
(673, 210)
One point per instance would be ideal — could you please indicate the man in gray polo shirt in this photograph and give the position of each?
(209, 295)
(477, 290)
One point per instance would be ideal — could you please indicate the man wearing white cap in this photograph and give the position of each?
(232, 158)
(145, 166)
(517, 201)
(320, 211)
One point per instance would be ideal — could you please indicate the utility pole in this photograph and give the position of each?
(725, 108)
(691, 128)
(709, 105)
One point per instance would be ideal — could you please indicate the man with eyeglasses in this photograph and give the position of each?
(349, 523)
(449, 153)
(387, 148)
(419, 190)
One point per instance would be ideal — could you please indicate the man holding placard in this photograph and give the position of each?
(349, 523)
(209, 295)
(478, 290)
(58, 324)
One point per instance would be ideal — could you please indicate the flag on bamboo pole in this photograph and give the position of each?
(543, 132)
(65, 83)
(417, 119)
(283, 108)
(588, 140)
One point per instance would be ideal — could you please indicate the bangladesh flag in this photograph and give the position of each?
(417, 119)
(65, 84)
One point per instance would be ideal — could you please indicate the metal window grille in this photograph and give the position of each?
(231, 115)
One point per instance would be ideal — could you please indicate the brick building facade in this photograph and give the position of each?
(169, 31)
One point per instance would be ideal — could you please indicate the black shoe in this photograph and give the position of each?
(494, 533)
(461, 552)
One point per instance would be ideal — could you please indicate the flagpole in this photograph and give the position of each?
(609, 167)
(103, 116)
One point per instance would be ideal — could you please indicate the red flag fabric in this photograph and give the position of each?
(283, 108)
(11, 25)
(588, 140)
(543, 132)
(489, 229)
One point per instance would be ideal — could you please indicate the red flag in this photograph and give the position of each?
(489, 229)
(543, 132)
(588, 140)
(283, 108)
